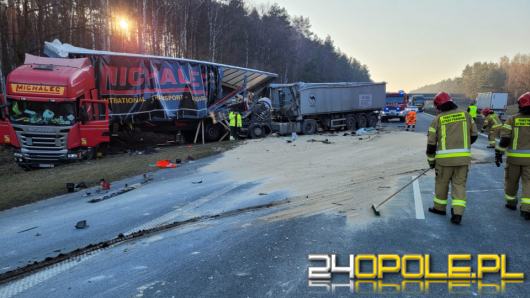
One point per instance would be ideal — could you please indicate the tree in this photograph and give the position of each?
(225, 31)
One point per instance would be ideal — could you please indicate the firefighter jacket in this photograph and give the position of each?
(492, 121)
(515, 139)
(235, 119)
(472, 110)
(450, 136)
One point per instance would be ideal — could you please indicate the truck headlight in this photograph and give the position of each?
(72, 156)
(17, 154)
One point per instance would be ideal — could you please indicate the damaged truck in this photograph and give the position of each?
(309, 107)
(67, 106)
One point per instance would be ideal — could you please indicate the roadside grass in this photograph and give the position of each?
(19, 187)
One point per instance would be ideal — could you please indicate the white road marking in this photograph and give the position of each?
(418, 203)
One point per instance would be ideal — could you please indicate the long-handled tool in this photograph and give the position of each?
(374, 207)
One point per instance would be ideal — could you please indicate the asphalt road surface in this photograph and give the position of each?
(243, 256)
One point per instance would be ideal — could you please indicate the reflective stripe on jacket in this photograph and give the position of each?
(451, 132)
(517, 129)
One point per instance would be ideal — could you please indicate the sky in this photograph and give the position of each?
(411, 43)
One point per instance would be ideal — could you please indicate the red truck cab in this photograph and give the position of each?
(52, 113)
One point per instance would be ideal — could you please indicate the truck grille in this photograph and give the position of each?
(43, 143)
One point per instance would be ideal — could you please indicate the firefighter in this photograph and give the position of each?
(410, 119)
(236, 123)
(473, 110)
(450, 136)
(515, 141)
(492, 124)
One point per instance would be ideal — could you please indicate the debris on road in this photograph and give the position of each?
(366, 131)
(326, 141)
(125, 189)
(81, 225)
(165, 164)
(196, 182)
(73, 187)
(26, 230)
(104, 184)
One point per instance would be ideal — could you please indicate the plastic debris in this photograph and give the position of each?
(165, 164)
(366, 131)
(81, 225)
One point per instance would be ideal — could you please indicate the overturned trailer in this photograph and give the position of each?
(68, 105)
(308, 107)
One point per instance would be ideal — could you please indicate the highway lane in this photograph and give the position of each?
(245, 256)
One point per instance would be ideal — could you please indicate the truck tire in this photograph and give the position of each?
(362, 121)
(351, 122)
(309, 127)
(372, 120)
(256, 131)
(384, 119)
(212, 132)
(401, 119)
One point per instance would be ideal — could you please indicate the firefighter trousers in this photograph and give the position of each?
(457, 176)
(512, 175)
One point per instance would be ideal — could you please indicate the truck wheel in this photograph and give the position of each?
(256, 131)
(212, 132)
(362, 121)
(351, 122)
(309, 127)
(384, 119)
(401, 119)
(372, 120)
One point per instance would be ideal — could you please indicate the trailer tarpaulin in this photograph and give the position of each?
(137, 82)
(136, 87)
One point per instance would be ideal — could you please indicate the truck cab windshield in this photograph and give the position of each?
(42, 113)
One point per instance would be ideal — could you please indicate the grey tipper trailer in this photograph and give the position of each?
(306, 107)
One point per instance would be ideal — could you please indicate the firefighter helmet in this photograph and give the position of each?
(524, 100)
(442, 98)
(486, 111)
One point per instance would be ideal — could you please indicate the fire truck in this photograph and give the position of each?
(395, 106)
(67, 106)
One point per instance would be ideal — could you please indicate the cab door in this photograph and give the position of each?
(94, 124)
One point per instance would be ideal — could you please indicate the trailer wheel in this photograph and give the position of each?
(351, 122)
(309, 127)
(372, 120)
(362, 121)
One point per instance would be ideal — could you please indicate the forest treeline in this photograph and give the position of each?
(227, 31)
(510, 75)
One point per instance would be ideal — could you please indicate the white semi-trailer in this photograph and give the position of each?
(307, 107)
(493, 100)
